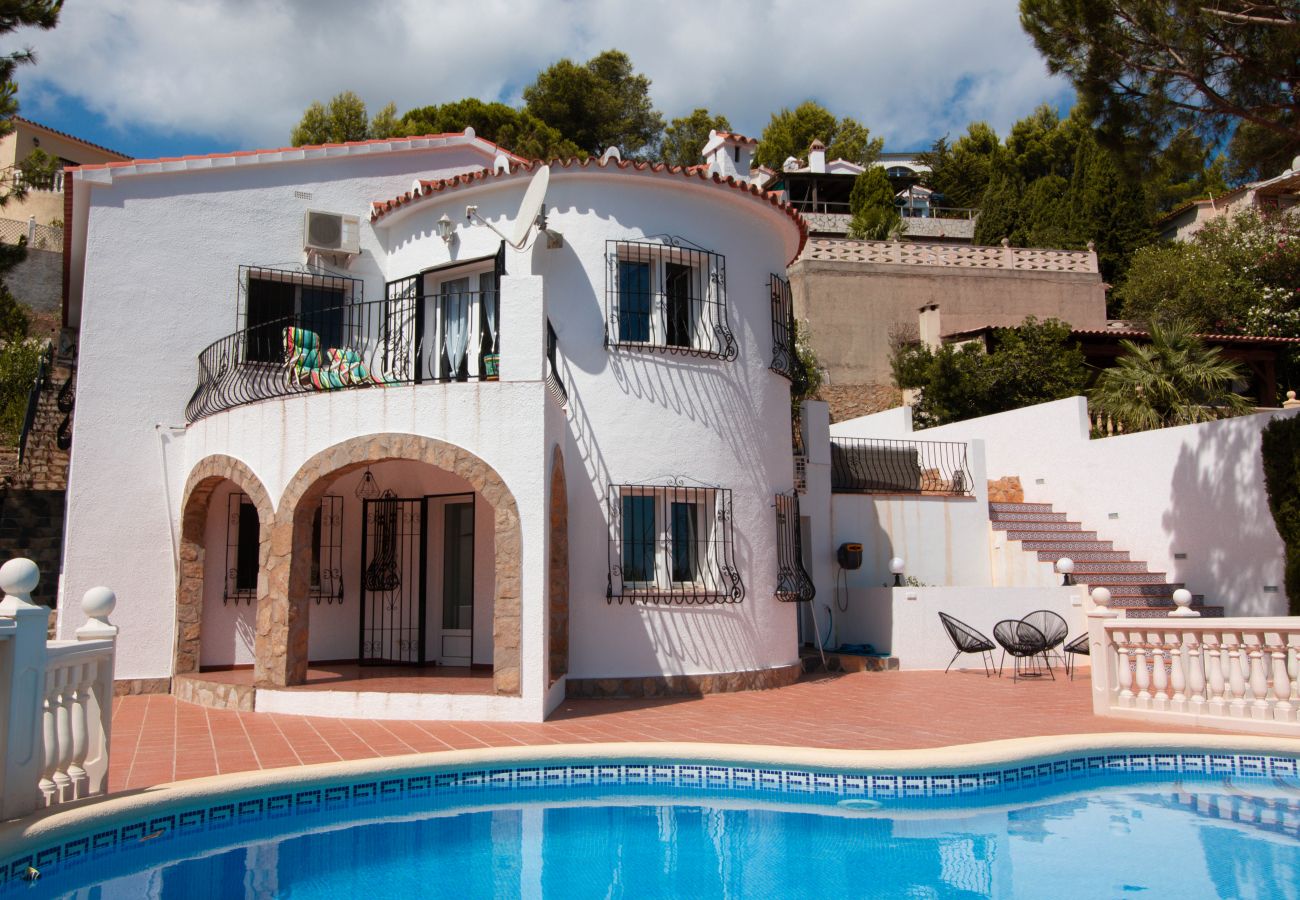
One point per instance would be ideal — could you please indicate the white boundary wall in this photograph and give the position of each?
(1196, 490)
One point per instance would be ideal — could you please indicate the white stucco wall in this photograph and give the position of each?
(904, 622)
(162, 254)
(1196, 490)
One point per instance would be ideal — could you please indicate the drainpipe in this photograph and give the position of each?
(162, 430)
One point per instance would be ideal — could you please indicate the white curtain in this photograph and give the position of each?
(455, 317)
(488, 291)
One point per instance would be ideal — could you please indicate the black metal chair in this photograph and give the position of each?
(968, 640)
(1053, 628)
(1073, 650)
(1024, 642)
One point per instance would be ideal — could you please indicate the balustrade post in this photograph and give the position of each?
(98, 604)
(22, 689)
(1277, 650)
(1293, 662)
(1106, 662)
(1195, 672)
(63, 725)
(82, 679)
(1141, 669)
(48, 787)
(1177, 674)
(1216, 703)
(1159, 673)
(1008, 255)
(1259, 706)
(1236, 677)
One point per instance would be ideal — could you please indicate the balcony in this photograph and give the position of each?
(410, 339)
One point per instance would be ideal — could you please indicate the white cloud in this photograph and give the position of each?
(242, 71)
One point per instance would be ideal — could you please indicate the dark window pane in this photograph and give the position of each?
(270, 311)
(685, 548)
(246, 558)
(677, 288)
(458, 566)
(321, 310)
(633, 301)
(315, 548)
(638, 538)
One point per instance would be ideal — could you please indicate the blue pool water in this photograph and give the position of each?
(1078, 833)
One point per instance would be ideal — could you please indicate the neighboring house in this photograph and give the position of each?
(1277, 194)
(326, 417)
(44, 200)
(820, 190)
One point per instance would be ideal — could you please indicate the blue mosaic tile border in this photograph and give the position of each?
(701, 776)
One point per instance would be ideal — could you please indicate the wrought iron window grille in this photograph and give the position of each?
(243, 550)
(877, 465)
(792, 581)
(672, 543)
(327, 551)
(669, 295)
(785, 358)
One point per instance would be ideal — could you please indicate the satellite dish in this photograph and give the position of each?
(530, 207)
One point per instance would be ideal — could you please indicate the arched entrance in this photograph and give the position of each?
(226, 478)
(283, 625)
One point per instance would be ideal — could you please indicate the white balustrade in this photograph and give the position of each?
(57, 696)
(921, 253)
(1222, 673)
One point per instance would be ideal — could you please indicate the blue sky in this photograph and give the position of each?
(169, 77)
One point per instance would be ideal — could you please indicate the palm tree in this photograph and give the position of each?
(1173, 380)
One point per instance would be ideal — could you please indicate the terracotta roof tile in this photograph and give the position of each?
(381, 208)
(738, 138)
(237, 153)
(71, 137)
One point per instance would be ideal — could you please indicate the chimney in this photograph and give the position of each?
(928, 326)
(817, 156)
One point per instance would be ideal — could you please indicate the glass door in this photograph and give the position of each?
(452, 578)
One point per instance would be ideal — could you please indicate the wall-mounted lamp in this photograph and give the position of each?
(446, 230)
(896, 566)
(1065, 566)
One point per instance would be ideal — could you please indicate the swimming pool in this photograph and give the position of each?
(1087, 820)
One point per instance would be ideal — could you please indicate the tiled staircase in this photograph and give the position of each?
(1097, 563)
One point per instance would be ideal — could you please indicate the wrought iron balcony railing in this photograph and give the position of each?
(454, 336)
(877, 465)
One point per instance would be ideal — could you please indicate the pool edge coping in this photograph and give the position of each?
(48, 822)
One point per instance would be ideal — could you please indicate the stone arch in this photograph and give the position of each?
(282, 624)
(203, 480)
(557, 573)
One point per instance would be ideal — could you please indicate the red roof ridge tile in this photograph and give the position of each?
(381, 208)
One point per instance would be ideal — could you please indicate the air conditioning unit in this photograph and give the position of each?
(327, 232)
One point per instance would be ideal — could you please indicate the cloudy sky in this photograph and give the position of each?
(160, 77)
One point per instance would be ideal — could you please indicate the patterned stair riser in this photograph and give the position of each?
(1207, 612)
(1086, 568)
(1138, 590)
(1032, 517)
(1081, 556)
(1064, 548)
(1062, 525)
(1081, 536)
(1165, 603)
(1011, 508)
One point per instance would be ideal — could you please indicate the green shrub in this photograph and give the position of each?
(1280, 449)
(19, 361)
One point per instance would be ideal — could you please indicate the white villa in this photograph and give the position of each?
(415, 428)
(343, 422)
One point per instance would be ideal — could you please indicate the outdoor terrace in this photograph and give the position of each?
(157, 739)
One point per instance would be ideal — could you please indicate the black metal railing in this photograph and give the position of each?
(327, 551)
(793, 583)
(784, 358)
(667, 294)
(398, 340)
(66, 402)
(671, 544)
(43, 366)
(877, 465)
(554, 383)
